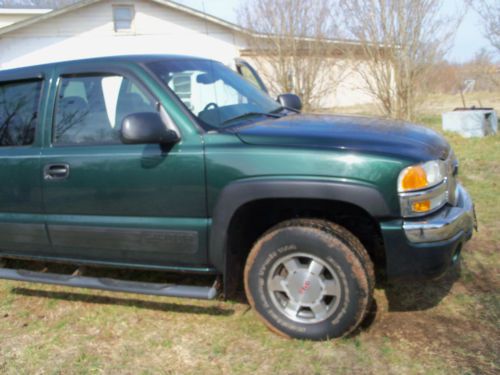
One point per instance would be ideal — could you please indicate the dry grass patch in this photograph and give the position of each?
(438, 327)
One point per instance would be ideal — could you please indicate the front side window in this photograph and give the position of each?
(90, 109)
(18, 112)
(212, 92)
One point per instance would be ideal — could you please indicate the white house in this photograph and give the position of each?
(91, 28)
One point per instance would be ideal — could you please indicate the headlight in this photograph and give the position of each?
(422, 188)
(421, 176)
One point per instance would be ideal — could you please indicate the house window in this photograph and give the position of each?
(123, 15)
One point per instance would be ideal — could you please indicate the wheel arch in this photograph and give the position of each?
(240, 194)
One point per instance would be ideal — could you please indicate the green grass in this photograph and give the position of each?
(439, 327)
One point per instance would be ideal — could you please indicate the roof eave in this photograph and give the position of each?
(206, 16)
(46, 16)
(24, 11)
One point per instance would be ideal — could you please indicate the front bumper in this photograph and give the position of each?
(426, 248)
(446, 224)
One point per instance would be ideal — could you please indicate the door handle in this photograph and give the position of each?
(56, 171)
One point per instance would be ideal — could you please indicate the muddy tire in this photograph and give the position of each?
(309, 279)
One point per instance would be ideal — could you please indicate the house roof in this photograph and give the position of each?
(83, 3)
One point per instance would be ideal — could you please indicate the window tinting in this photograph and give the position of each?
(90, 109)
(18, 112)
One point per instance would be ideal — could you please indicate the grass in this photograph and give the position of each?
(439, 327)
(435, 104)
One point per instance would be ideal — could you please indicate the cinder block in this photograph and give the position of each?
(471, 122)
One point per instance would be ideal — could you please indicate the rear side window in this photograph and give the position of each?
(90, 109)
(18, 112)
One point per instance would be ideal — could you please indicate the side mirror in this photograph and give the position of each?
(291, 101)
(146, 127)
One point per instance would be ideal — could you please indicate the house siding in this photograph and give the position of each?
(157, 29)
(89, 32)
(338, 84)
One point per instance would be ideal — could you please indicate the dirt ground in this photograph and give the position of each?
(445, 326)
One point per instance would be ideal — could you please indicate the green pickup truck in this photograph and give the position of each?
(179, 164)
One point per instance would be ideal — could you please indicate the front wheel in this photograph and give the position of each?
(309, 279)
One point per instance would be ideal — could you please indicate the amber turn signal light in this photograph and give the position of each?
(414, 178)
(422, 206)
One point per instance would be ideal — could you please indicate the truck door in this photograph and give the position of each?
(117, 203)
(22, 222)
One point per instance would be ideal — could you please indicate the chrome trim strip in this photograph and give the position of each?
(407, 199)
(446, 224)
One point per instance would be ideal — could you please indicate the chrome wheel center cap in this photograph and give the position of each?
(304, 287)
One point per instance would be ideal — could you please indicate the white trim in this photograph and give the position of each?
(24, 11)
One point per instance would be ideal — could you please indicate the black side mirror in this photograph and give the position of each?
(146, 127)
(290, 101)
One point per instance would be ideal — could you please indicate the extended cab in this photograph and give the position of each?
(179, 164)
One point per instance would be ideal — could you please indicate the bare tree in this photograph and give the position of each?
(400, 40)
(479, 74)
(489, 11)
(291, 42)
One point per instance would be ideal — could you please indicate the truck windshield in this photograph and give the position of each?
(215, 94)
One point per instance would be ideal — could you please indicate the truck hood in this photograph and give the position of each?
(354, 133)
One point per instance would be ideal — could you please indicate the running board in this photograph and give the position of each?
(156, 289)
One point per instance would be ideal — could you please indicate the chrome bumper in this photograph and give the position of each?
(446, 224)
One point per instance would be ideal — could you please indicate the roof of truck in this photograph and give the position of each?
(36, 70)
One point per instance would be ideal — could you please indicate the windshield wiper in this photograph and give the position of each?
(248, 114)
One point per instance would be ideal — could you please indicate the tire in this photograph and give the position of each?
(309, 279)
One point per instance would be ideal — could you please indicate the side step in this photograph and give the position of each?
(170, 290)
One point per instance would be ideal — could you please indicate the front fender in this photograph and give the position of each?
(241, 192)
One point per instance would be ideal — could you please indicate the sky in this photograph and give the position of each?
(467, 43)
